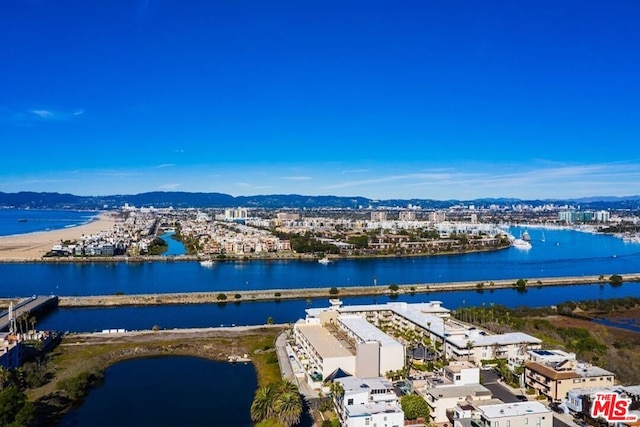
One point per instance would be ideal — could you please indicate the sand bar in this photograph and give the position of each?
(32, 246)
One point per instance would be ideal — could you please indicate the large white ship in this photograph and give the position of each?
(521, 244)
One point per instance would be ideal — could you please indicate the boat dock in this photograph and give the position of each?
(29, 305)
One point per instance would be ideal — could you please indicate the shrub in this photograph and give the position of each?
(615, 279)
(77, 387)
(221, 297)
(393, 287)
(333, 291)
(414, 407)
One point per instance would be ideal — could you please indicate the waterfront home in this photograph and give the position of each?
(554, 378)
(367, 402)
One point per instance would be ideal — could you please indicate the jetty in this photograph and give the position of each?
(237, 296)
(29, 305)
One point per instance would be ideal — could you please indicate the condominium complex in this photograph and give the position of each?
(554, 373)
(355, 338)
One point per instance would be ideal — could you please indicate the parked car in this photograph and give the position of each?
(522, 397)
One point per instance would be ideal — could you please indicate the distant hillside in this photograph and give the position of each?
(179, 199)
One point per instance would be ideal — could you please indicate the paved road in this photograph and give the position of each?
(310, 395)
(490, 380)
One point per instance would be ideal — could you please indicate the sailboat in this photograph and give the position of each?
(543, 239)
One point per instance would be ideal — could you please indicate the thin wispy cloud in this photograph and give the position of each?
(43, 114)
(296, 178)
(54, 115)
(165, 165)
(522, 181)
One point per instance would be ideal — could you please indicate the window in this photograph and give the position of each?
(349, 401)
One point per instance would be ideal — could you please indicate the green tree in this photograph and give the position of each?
(521, 284)
(262, 405)
(414, 407)
(393, 287)
(288, 406)
(333, 291)
(615, 279)
(277, 401)
(15, 410)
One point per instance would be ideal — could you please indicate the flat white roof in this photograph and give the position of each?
(372, 408)
(632, 389)
(589, 371)
(502, 339)
(366, 331)
(359, 384)
(322, 341)
(517, 409)
(461, 391)
(415, 313)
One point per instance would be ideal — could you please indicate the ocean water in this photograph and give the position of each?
(256, 313)
(21, 221)
(565, 253)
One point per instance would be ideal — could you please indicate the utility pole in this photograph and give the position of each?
(12, 320)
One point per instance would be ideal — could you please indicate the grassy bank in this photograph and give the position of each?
(78, 363)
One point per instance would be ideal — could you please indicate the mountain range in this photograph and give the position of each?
(180, 199)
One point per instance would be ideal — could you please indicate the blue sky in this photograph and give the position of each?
(412, 99)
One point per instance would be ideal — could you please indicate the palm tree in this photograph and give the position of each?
(288, 406)
(32, 322)
(262, 405)
(285, 386)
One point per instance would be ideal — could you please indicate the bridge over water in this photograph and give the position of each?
(29, 305)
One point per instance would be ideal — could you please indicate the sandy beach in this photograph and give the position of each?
(32, 246)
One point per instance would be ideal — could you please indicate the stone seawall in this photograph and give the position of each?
(231, 296)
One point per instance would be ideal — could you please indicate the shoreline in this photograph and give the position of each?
(184, 298)
(31, 247)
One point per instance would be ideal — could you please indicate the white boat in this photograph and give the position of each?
(324, 260)
(206, 263)
(521, 244)
(543, 239)
(525, 236)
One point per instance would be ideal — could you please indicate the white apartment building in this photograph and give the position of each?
(378, 216)
(407, 216)
(367, 403)
(357, 329)
(233, 214)
(332, 340)
(444, 399)
(520, 414)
